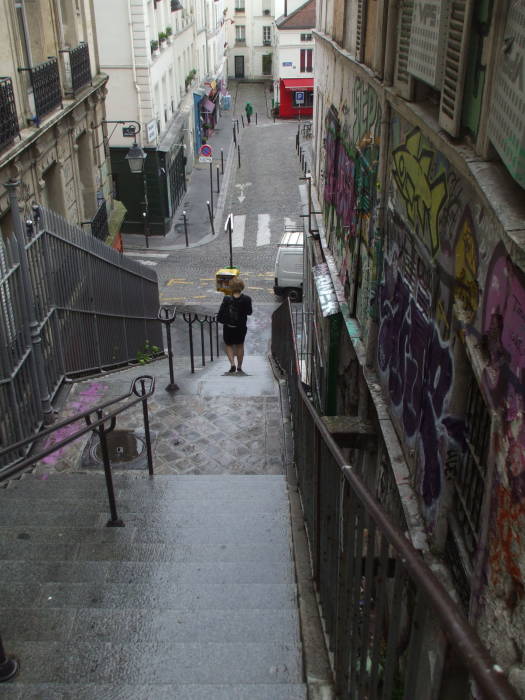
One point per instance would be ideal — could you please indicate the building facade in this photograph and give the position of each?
(419, 168)
(52, 94)
(249, 32)
(293, 89)
(164, 52)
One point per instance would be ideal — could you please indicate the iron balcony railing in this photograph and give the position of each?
(8, 116)
(392, 629)
(77, 67)
(45, 86)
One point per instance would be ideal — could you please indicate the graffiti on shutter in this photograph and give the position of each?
(456, 54)
(403, 81)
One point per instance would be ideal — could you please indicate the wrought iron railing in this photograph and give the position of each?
(45, 84)
(393, 630)
(77, 67)
(8, 116)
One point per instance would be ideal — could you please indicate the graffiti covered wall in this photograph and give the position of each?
(448, 279)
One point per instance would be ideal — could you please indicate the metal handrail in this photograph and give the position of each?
(210, 319)
(92, 425)
(431, 594)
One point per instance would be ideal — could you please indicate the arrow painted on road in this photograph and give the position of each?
(241, 186)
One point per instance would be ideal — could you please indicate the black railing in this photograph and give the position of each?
(392, 628)
(45, 83)
(80, 66)
(8, 116)
(99, 223)
(202, 320)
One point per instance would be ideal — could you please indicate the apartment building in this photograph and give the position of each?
(419, 164)
(52, 93)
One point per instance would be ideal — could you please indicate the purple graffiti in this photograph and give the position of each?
(344, 198)
(419, 370)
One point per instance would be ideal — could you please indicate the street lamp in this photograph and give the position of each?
(136, 157)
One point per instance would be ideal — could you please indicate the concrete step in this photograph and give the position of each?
(151, 625)
(158, 662)
(250, 571)
(59, 691)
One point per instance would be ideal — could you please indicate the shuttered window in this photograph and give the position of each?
(403, 81)
(455, 66)
(306, 60)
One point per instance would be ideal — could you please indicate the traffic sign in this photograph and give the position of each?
(205, 153)
(299, 97)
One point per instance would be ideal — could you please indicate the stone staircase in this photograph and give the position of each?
(194, 599)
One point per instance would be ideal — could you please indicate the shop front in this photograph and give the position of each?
(296, 98)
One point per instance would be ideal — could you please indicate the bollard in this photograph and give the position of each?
(211, 187)
(218, 185)
(222, 161)
(234, 136)
(239, 155)
(237, 122)
(185, 228)
(242, 120)
(166, 315)
(211, 218)
(255, 118)
(8, 666)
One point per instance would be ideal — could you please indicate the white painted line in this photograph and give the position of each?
(289, 222)
(264, 235)
(143, 254)
(151, 263)
(239, 223)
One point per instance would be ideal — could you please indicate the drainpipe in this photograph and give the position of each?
(389, 56)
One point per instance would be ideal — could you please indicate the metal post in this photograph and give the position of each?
(115, 521)
(234, 135)
(228, 228)
(211, 187)
(255, 118)
(222, 161)
(185, 228)
(237, 122)
(145, 212)
(146, 426)
(239, 155)
(33, 323)
(189, 321)
(218, 185)
(203, 351)
(211, 218)
(8, 667)
(209, 320)
(166, 315)
(242, 120)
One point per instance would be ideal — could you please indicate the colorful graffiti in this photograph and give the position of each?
(423, 193)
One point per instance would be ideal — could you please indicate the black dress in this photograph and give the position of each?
(242, 305)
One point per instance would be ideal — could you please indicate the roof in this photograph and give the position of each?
(302, 18)
(298, 83)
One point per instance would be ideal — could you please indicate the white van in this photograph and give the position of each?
(289, 266)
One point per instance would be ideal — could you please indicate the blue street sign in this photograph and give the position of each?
(299, 97)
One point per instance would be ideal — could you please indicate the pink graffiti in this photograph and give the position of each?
(89, 396)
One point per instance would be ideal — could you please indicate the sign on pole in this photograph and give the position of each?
(299, 97)
(205, 153)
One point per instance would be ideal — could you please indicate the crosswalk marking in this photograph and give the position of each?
(144, 254)
(264, 235)
(239, 223)
(289, 222)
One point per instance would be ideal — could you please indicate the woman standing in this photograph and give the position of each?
(233, 314)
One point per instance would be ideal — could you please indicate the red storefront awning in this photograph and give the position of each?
(298, 83)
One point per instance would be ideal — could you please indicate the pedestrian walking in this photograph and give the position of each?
(233, 314)
(249, 111)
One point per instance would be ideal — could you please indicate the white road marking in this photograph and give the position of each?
(264, 234)
(239, 223)
(144, 254)
(289, 223)
(242, 186)
(151, 263)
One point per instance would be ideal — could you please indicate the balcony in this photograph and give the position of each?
(240, 42)
(45, 88)
(267, 42)
(8, 117)
(77, 68)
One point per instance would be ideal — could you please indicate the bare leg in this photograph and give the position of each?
(239, 351)
(230, 352)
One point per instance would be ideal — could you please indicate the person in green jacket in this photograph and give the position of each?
(249, 111)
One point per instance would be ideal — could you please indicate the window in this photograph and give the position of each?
(308, 100)
(267, 64)
(306, 60)
(22, 27)
(239, 5)
(240, 33)
(306, 37)
(267, 36)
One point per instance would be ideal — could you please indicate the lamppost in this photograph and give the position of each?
(136, 158)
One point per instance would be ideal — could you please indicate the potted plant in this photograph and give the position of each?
(154, 45)
(169, 34)
(162, 38)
